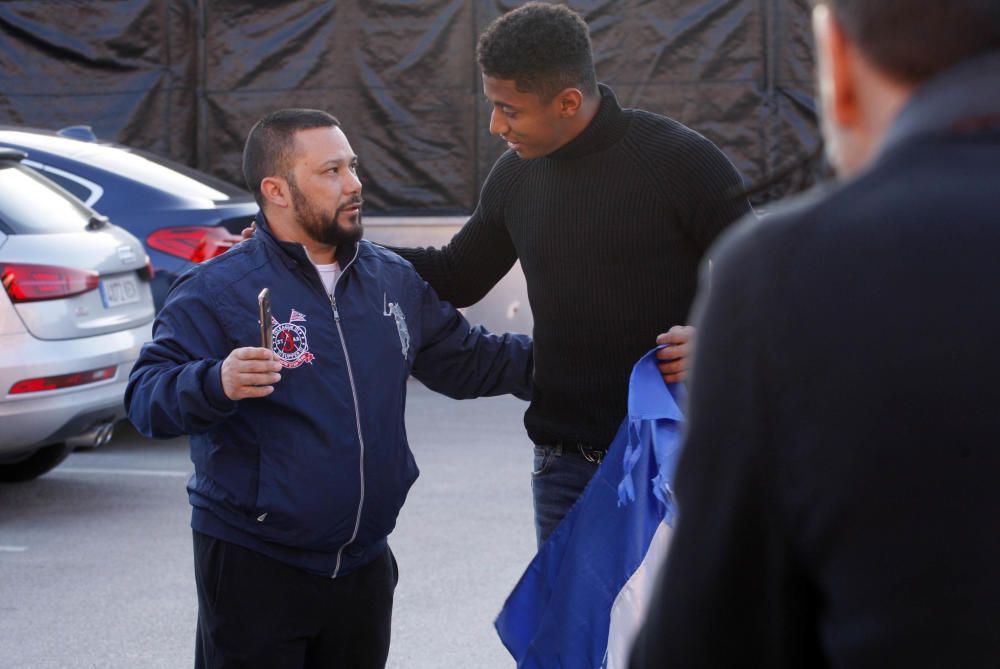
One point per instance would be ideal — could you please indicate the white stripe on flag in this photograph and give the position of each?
(630, 606)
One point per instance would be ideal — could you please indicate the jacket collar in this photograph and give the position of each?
(963, 99)
(294, 254)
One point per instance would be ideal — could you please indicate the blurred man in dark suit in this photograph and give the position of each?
(838, 491)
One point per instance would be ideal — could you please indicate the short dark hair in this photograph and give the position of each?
(913, 41)
(543, 48)
(271, 141)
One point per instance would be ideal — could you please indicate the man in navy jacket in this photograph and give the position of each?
(838, 489)
(300, 452)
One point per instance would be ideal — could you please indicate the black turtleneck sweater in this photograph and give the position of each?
(610, 230)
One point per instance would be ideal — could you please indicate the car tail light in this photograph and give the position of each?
(33, 283)
(193, 243)
(62, 381)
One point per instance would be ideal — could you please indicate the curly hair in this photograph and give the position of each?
(912, 42)
(543, 48)
(271, 141)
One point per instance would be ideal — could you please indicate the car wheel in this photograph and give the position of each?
(36, 464)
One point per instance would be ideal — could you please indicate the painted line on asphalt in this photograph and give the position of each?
(13, 549)
(124, 472)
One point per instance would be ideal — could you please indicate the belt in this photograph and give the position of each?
(589, 453)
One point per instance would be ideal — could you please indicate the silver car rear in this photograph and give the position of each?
(75, 308)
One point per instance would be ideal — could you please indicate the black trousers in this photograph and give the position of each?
(257, 613)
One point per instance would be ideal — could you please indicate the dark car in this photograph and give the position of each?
(181, 215)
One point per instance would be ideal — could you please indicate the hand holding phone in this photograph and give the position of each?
(264, 304)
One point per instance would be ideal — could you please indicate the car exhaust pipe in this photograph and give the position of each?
(94, 437)
(109, 431)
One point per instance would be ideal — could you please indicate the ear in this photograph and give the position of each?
(569, 100)
(275, 191)
(838, 74)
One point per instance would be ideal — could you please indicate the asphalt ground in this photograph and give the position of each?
(96, 566)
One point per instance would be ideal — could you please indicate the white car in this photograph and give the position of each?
(75, 308)
(183, 216)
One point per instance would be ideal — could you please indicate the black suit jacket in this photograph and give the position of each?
(839, 489)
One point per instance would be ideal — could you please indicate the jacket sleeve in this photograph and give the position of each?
(175, 386)
(462, 361)
(465, 269)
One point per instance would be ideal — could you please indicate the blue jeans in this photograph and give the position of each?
(556, 483)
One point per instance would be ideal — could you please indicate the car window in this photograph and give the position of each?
(30, 204)
(79, 191)
(218, 189)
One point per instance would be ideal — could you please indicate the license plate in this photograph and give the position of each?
(120, 290)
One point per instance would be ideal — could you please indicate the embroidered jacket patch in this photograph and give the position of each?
(393, 309)
(290, 343)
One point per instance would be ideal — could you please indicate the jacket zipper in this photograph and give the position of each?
(357, 416)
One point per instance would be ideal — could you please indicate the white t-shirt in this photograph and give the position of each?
(328, 275)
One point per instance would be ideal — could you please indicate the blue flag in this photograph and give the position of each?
(581, 600)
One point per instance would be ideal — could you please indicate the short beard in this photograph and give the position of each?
(325, 231)
(336, 235)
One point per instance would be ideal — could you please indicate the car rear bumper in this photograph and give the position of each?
(33, 420)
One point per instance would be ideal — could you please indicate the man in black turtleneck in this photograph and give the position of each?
(610, 212)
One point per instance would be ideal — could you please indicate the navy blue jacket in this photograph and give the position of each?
(315, 473)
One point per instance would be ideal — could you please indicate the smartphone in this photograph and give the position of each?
(264, 304)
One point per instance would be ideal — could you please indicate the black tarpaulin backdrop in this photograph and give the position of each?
(187, 79)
